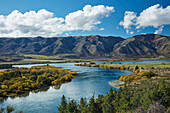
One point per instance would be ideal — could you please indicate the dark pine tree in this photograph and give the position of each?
(71, 107)
(83, 105)
(63, 105)
(92, 108)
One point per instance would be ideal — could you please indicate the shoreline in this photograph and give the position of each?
(145, 70)
(41, 61)
(116, 83)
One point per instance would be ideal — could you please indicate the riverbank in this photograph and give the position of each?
(146, 90)
(142, 72)
(36, 60)
(146, 71)
(117, 83)
(149, 96)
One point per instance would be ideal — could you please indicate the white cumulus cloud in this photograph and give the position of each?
(87, 18)
(44, 23)
(159, 30)
(154, 16)
(128, 20)
(30, 24)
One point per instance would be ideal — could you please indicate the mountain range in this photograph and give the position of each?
(93, 46)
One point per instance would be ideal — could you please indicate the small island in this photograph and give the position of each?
(20, 81)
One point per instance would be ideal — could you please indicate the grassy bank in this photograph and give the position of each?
(142, 71)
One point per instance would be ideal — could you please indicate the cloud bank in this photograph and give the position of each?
(155, 16)
(44, 23)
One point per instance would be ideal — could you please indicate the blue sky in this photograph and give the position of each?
(109, 21)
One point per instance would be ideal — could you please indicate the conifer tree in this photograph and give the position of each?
(107, 105)
(99, 102)
(71, 107)
(92, 108)
(63, 105)
(83, 105)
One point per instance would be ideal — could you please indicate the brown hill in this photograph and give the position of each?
(83, 46)
(149, 45)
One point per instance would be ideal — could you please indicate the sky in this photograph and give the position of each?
(54, 18)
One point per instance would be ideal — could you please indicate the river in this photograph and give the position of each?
(90, 80)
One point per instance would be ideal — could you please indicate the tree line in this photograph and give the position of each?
(150, 96)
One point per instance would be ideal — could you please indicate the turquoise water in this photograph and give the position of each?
(90, 80)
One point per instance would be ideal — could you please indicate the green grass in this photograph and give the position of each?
(144, 65)
(34, 56)
(157, 58)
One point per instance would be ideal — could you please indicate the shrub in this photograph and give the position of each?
(149, 74)
(4, 94)
(57, 81)
(18, 92)
(92, 63)
(89, 65)
(136, 67)
(74, 73)
(142, 67)
(62, 79)
(123, 77)
(122, 68)
(20, 88)
(137, 71)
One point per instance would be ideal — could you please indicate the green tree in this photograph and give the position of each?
(92, 107)
(136, 67)
(111, 93)
(71, 107)
(107, 105)
(63, 105)
(83, 105)
(99, 102)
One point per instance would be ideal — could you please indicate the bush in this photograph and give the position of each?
(62, 79)
(136, 67)
(149, 74)
(122, 68)
(89, 65)
(123, 78)
(137, 71)
(74, 73)
(56, 82)
(92, 63)
(18, 92)
(20, 88)
(4, 94)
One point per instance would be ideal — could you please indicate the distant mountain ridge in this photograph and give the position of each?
(149, 45)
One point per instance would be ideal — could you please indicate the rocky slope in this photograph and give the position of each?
(80, 46)
(149, 45)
